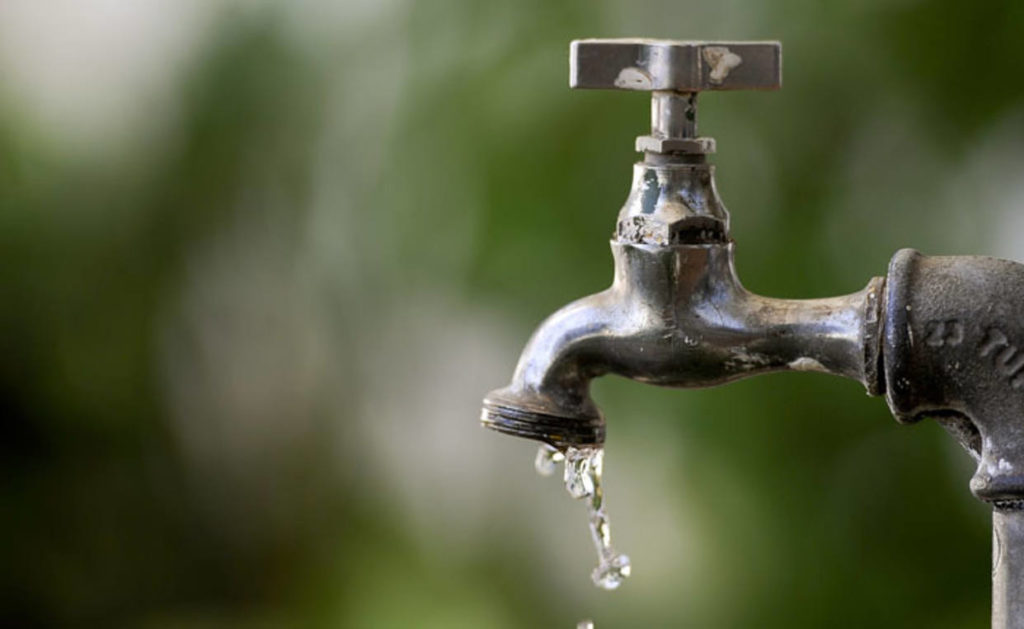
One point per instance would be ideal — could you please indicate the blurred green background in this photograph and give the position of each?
(260, 262)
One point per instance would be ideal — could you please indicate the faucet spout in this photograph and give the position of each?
(676, 316)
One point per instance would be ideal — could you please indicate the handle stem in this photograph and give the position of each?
(674, 114)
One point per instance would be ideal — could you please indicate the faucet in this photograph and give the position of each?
(939, 337)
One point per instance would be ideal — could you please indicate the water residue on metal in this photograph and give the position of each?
(583, 471)
(721, 60)
(633, 79)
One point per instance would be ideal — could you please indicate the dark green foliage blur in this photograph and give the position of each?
(215, 341)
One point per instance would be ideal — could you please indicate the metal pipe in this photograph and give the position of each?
(1007, 569)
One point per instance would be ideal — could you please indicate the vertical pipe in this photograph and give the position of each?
(1008, 569)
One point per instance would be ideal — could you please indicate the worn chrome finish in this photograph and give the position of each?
(675, 66)
(674, 72)
(674, 115)
(697, 146)
(675, 316)
(673, 203)
(942, 337)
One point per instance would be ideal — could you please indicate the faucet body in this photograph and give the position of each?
(676, 315)
(940, 337)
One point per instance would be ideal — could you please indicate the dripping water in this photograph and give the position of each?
(583, 471)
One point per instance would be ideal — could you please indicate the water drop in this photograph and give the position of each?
(610, 573)
(580, 472)
(548, 458)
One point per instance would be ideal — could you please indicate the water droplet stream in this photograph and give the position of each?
(583, 471)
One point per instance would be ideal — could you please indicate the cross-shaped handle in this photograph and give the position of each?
(674, 66)
(674, 71)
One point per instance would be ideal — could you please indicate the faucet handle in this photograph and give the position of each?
(674, 71)
(674, 66)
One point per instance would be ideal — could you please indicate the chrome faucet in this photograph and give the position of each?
(940, 337)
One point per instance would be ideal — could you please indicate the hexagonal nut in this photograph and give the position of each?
(700, 146)
(691, 230)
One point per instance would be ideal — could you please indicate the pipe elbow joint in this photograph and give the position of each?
(954, 350)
